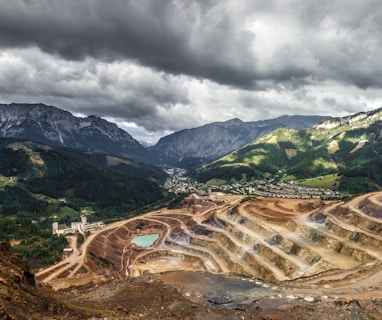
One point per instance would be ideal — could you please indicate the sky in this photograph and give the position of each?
(159, 66)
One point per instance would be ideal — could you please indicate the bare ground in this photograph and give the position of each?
(321, 258)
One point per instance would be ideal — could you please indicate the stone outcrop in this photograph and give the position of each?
(20, 298)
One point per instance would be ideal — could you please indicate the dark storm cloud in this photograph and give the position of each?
(174, 64)
(119, 89)
(209, 39)
(160, 34)
(203, 39)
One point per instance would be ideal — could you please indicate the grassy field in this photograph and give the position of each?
(216, 182)
(68, 214)
(330, 181)
(6, 181)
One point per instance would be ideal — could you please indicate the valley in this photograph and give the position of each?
(276, 187)
(190, 160)
(282, 249)
(267, 232)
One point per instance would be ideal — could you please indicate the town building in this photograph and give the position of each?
(81, 226)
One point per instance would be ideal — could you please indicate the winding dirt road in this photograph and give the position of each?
(304, 246)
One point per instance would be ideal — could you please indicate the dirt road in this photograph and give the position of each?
(304, 247)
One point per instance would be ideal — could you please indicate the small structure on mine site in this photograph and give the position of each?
(81, 226)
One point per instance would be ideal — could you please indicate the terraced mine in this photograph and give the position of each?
(294, 243)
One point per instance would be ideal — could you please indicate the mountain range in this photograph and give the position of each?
(211, 141)
(348, 148)
(47, 154)
(50, 125)
(187, 148)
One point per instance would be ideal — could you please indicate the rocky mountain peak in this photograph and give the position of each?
(50, 125)
(233, 122)
(216, 139)
(332, 123)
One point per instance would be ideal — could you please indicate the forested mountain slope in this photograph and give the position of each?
(190, 147)
(350, 147)
(40, 184)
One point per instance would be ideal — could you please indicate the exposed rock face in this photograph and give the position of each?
(268, 238)
(18, 267)
(54, 126)
(337, 122)
(50, 125)
(332, 267)
(214, 140)
(19, 298)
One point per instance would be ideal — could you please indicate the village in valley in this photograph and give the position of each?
(178, 182)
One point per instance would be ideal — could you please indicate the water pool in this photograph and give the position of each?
(146, 240)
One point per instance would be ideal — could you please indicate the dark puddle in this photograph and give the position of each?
(218, 290)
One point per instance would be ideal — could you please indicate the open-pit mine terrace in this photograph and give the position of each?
(321, 247)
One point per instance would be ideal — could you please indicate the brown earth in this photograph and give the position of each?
(19, 297)
(292, 258)
(145, 298)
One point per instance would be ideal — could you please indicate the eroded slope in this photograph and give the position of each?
(271, 239)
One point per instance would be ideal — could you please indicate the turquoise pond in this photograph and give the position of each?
(146, 240)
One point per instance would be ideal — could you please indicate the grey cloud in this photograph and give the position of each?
(180, 37)
(120, 89)
(138, 61)
(208, 39)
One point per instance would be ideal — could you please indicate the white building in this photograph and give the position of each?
(80, 227)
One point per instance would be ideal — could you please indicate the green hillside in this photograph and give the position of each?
(349, 147)
(123, 165)
(40, 184)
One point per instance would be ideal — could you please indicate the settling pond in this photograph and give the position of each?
(146, 240)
